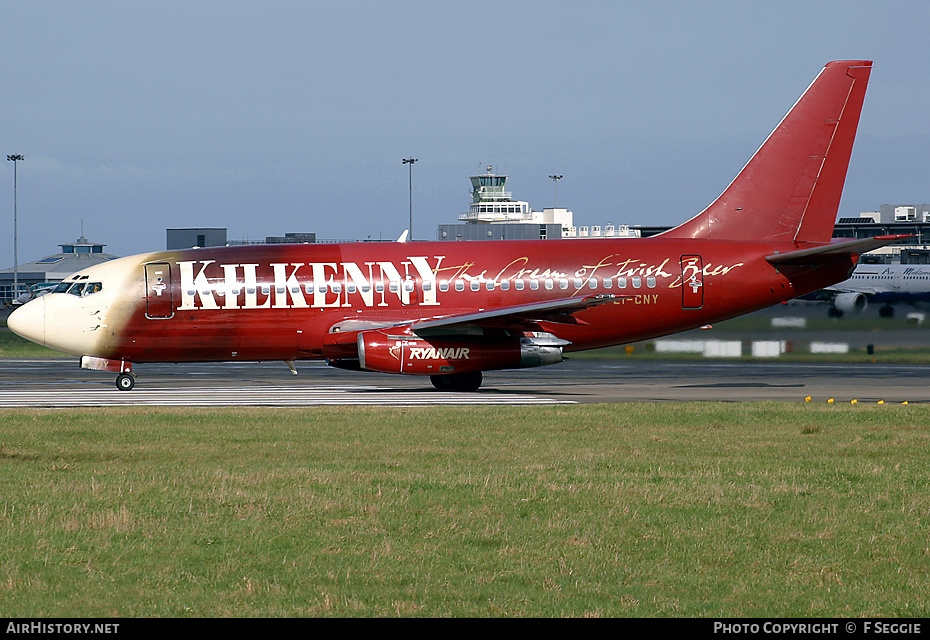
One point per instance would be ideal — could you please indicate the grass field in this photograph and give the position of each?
(646, 351)
(12, 346)
(666, 510)
(818, 320)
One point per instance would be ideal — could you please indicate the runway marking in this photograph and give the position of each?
(257, 396)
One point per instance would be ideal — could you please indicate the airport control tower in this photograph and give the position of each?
(491, 203)
(493, 214)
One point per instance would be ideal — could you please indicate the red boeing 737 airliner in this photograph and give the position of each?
(451, 310)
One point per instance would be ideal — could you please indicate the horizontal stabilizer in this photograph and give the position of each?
(818, 255)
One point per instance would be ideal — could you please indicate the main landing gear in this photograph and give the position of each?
(470, 381)
(125, 381)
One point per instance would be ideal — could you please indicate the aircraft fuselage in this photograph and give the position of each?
(280, 302)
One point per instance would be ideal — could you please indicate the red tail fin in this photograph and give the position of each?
(790, 189)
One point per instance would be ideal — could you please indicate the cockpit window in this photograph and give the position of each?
(81, 289)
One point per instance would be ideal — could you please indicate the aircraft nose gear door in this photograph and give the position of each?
(692, 282)
(158, 291)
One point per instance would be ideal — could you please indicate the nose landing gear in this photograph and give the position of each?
(125, 381)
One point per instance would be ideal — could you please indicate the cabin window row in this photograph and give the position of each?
(533, 284)
(550, 284)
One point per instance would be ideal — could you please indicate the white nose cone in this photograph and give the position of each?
(29, 321)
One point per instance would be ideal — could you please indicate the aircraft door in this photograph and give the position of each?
(158, 288)
(692, 282)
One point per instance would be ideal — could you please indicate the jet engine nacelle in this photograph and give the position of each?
(850, 301)
(385, 352)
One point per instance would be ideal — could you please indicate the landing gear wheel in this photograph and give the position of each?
(470, 381)
(125, 382)
(467, 381)
(887, 311)
(833, 312)
(443, 383)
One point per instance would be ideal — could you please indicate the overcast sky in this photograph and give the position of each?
(294, 116)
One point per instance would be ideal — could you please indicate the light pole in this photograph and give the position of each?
(555, 179)
(14, 158)
(409, 162)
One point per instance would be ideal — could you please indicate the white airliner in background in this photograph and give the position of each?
(885, 284)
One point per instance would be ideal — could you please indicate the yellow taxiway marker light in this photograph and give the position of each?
(854, 401)
(807, 399)
(830, 400)
(880, 402)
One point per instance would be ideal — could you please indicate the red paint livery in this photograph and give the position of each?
(453, 310)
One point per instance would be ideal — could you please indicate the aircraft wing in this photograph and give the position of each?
(818, 255)
(523, 317)
(869, 291)
(516, 316)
